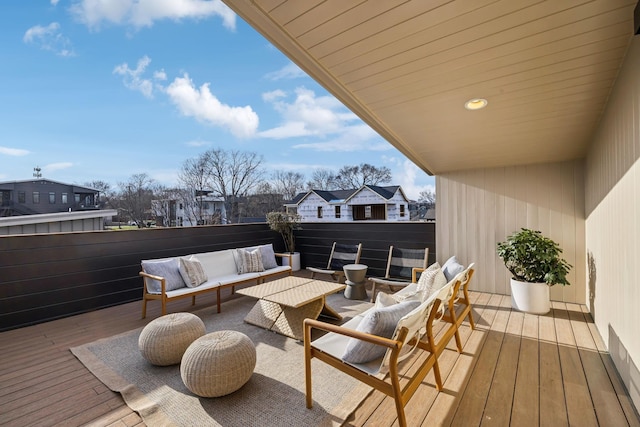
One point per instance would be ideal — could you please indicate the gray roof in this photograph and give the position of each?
(341, 195)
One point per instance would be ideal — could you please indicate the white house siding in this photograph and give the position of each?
(613, 223)
(308, 208)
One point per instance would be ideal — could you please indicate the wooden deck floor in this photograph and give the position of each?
(516, 369)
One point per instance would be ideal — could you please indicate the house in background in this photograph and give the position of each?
(203, 209)
(44, 196)
(367, 203)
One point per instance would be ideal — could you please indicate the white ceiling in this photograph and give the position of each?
(407, 68)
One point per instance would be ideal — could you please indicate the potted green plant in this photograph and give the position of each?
(535, 263)
(285, 223)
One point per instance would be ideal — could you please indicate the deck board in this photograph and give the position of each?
(515, 369)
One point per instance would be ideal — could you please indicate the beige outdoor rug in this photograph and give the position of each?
(274, 396)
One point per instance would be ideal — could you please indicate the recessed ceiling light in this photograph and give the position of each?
(475, 104)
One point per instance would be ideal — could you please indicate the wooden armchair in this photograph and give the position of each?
(341, 255)
(413, 332)
(400, 268)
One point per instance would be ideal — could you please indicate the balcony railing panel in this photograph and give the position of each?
(49, 276)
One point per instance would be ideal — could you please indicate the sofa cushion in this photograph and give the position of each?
(268, 256)
(192, 271)
(451, 268)
(249, 261)
(380, 321)
(167, 268)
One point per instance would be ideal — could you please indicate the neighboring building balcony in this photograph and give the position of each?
(62, 290)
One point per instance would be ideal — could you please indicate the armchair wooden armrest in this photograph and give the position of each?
(414, 273)
(352, 333)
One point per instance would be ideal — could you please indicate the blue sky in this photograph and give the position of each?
(100, 90)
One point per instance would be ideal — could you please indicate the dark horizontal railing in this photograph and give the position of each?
(50, 276)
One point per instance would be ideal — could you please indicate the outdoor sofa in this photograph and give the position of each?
(168, 279)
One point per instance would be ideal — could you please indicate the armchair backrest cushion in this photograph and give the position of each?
(452, 267)
(380, 321)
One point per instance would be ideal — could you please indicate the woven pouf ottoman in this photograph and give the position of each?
(218, 363)
(164, 340)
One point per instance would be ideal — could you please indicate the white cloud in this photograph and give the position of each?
(8, 151)
(197, 143)
(307, 115)
(132, 78)
(289, 71)
(52, 167)
(273, 95)
(49, 38)
(352, 138)
(160, 75)
(54, 2)
(201, 104)
(143, 13)
(405, 174)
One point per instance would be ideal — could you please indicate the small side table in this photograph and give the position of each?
(356, 275)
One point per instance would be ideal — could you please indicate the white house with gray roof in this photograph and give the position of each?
(367, 203)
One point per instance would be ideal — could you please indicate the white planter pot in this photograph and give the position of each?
(530, 297)
(295, 261)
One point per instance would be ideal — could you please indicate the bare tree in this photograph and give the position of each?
(322, 179)
(106, 194)
(428, 198)
(349, 177)
(134, 198)
(233, 175)
(288, 184)
(195, 179)
(264, 199)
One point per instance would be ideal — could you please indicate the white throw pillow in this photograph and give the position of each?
(431, 280)
(378, 321)
(169, 269)
(384, 300)
(451, 268)
(192, 272)
(249, 261)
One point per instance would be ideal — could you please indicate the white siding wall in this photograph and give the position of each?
(308, 209)
(477, 209)
(613, 223)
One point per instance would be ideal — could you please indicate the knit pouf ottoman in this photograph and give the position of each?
(164, 340)
(218, 363)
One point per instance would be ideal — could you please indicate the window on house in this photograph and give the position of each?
(337, 211)
(181, 206)
(65, 198)
(52, 197)
(36, 197)
(77, 198)
(22, 197)
(401, 210)
(367, 212)
(319, 211)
